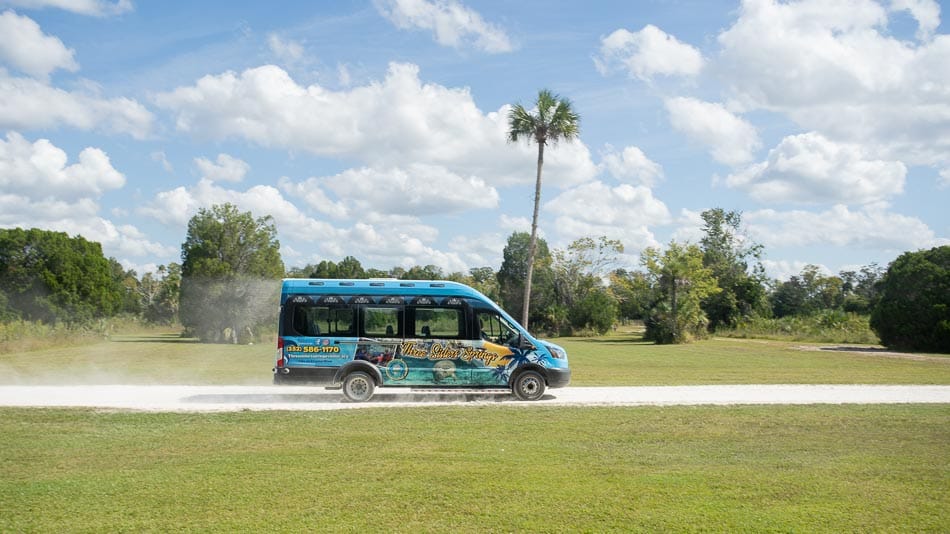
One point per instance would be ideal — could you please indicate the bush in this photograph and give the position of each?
(914, 310)
(829, 326)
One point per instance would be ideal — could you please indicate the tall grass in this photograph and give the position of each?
(23, 336)
(829, 326)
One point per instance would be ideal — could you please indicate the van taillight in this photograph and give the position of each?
(280, 352)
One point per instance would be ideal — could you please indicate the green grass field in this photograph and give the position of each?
(480, 468)
(618, 360)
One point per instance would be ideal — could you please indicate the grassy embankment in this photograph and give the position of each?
(480, 468)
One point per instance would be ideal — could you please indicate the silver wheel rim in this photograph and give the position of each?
(530, 387)
(358, 388)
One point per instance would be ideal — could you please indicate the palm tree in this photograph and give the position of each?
(552, 120)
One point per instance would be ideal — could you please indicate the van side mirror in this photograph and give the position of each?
(524, 344)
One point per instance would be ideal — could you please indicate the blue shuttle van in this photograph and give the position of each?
(361, 334)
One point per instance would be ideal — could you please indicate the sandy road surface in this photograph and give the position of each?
(235, 398)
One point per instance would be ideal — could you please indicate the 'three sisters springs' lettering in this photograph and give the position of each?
(439, 351)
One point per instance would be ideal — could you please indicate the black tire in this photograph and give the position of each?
(528, 386)
(358, 386)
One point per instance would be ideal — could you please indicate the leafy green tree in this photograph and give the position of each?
(914, 309)
(129, 282)
(861, 289)
(807, 293)
(159, 294)
(728, 254)
(484, 280)
(681, 282)
(348, 268)
(596, 311)
(50, 277)
(512, 276)
(633, 293)
(429, 272)
(230, 270)
(552, 120)
(579, 272)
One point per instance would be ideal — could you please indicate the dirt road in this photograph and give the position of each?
(236, 398)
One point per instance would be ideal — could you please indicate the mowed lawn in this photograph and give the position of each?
(618, 360)
(480, 468)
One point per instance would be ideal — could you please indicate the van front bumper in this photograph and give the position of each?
(558, 378)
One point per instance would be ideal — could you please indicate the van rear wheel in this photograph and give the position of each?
(358, 386)
(528, 386)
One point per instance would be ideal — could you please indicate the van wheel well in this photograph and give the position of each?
(355, 366)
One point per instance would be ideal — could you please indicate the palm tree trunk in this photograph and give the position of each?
(533, 243)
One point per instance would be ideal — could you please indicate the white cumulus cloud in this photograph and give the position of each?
(730, 139)
(396, 122)
(225, 169)
(809, 168)
(24, 46)
(647, 53)
(870, 227)
(31, 104)
(39, 169)
(835, 68)
(452, 23)
(631, 165)
(40, 189)
(624, 212)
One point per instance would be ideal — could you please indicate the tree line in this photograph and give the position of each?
(225, 289)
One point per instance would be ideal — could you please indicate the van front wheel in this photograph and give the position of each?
(528, 386)
(358, 386)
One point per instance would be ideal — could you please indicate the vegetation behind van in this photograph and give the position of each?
(361, 334)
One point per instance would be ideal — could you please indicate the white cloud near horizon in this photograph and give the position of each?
(40, 189)
(397, 240)
(39, 169)
(452, 23)
(809, 168)
(647, 53)
(872, 226)
(624, 212)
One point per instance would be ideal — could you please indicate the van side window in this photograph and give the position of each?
(440, 323)
(495, 329)
(315, 321)
(382, 322)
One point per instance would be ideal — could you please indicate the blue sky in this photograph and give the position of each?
(377, 128)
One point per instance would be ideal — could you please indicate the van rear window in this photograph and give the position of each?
(309, 320)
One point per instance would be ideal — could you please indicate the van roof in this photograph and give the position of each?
(311, 286)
